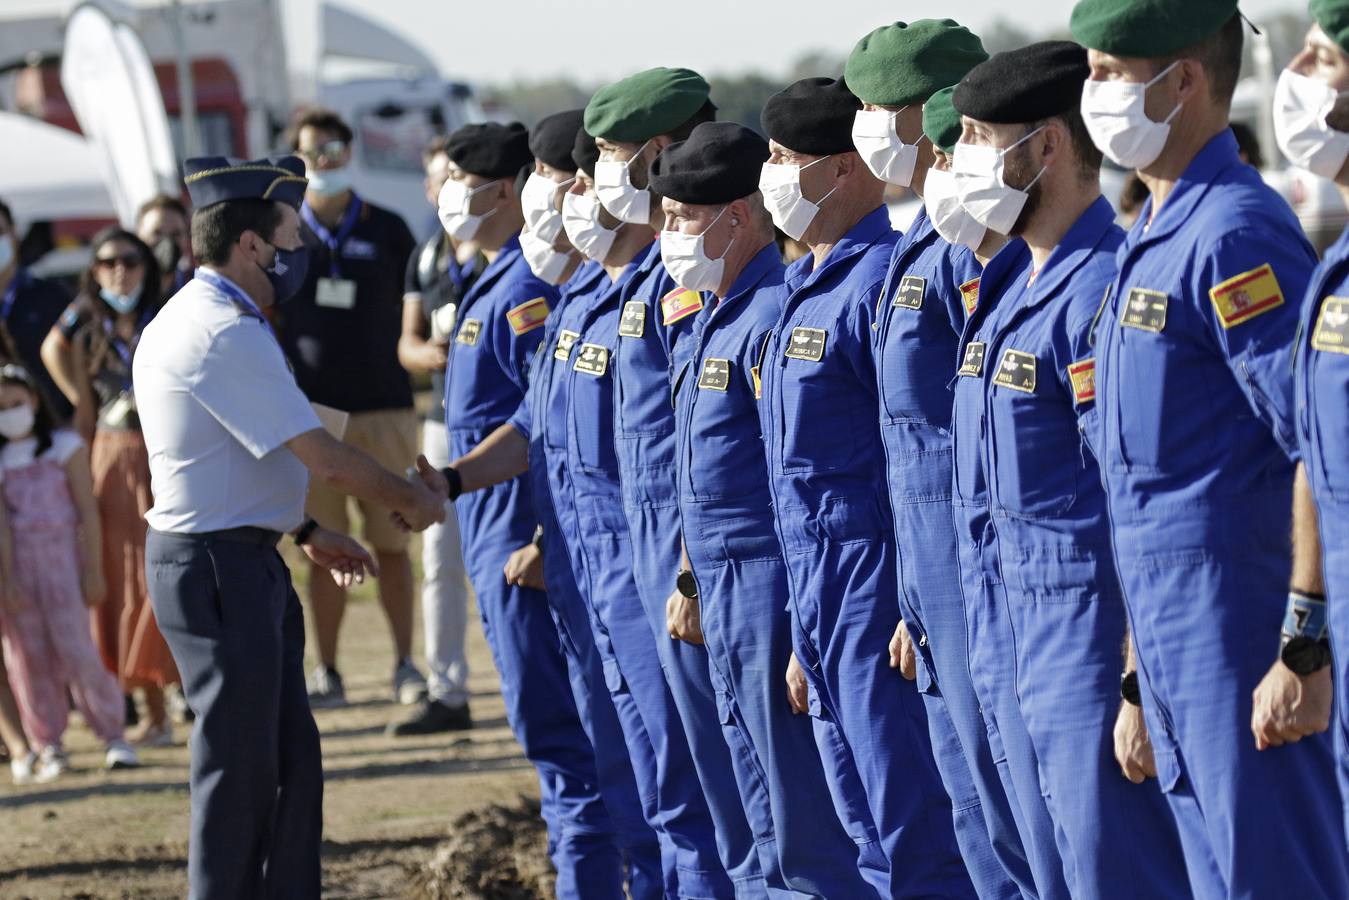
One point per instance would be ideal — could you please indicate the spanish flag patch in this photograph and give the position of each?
(528, 316)
(679, 304)
(969, 292)
(1082, 375)
(1246, 296)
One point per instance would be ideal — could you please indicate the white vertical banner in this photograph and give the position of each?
(110, 84)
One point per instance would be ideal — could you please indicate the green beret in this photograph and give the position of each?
(1147, 28)
(941, 122)
(1333, 17)
(900, 64)
(644, 105)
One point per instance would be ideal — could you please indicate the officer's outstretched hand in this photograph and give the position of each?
(1133, 747)
(1288, 706)
(901, 652)
(797, 694)
(425, 505)
(345, 559)
(525, 567)
(683, 619)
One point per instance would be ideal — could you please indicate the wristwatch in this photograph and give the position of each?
(456, 484)
(1304, 655)
(686, 584)
(1128, 689)
(302, 534)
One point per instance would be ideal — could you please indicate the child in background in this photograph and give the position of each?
(23, 762)
(58, 573)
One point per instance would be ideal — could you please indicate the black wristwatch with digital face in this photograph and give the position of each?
(686, 584)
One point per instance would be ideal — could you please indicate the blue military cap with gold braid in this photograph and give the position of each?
(215, 179)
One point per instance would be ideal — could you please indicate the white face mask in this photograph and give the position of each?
(538, 202)
(953, 223)
(546, 263)
(613, 185)
(1119, 127)
(981, 188)
(1301, 105)
(6, 251)
(17, 423)
(455, 198)
(780, 184)
(888, 157)
(687, 262)
(581, 221)
(329, 182)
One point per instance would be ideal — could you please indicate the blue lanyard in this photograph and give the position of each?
(236, 294)
(11, 295)
(334, 241)
(124, 349)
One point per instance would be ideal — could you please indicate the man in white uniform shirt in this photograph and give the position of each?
(232, 443)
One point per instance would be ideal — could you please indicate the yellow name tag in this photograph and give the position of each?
(565, 341)
(1246, 296)
(1332, 326)
(1016, 371)
(528, 316)
(633, 321)
(592, 360)
(468, 332)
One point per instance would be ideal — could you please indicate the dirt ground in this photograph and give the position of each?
(434, 817)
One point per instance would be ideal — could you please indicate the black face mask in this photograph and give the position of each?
(168, 254)
(287, 272)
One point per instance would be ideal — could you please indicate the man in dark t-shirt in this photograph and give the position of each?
(29, 307)
(341, 333)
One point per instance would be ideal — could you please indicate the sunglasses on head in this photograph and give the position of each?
(126, 261)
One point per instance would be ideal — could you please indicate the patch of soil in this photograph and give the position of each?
(496, 853)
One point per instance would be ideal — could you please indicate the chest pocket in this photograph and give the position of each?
(592, 419)
(1034, 443)
(822, 406)
(1328, 394)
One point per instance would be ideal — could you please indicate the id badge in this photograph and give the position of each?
(443, 320)
(119, 411)
(336, 293)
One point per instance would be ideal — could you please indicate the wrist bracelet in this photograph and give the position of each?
(305, 532)
(1304, 617)
(455, 481)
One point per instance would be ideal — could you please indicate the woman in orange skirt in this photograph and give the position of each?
(89, 354)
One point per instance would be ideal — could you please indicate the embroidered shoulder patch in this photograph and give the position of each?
(468, 332)
(1082, 376)
(1016, 371)
(969, 292)
(1332, 326)
(1246, 296)
(680, 304)
(528, 316)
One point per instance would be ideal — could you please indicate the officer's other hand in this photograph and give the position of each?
(433, 478)
(345, 559)
(92, 586)
(525, 567)
(901, 652)
(682, 619)
(433, 356)
(1288, 707)
(1133, 747)
(797, 693)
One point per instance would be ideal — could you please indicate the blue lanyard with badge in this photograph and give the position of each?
(334, 292)
(238, 297)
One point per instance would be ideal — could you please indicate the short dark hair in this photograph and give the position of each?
(1089, 156)
(321, 119)
(217, 228)
(706, 113)
(6, 213)
(1249, 144)
(164, 203)
(1220, 55)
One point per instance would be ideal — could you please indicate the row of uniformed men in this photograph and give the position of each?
(1014, 429)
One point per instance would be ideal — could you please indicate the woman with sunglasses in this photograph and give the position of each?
(89, 354)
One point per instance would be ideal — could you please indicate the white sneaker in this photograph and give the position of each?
(409, 685)
(24, 771)
(52, 764)
(121, 755)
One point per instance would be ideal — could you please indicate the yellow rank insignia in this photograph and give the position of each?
(758, 382)
(1082, 375)
(528, 316)
(969, 292)
(1246, 296)
(1332, 326)
(679, 304)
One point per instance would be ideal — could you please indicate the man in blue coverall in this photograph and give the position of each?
(718, 240)
(1024, 411)
(1195, 396)
(894, 71)
(1312, 129)
(827, 476)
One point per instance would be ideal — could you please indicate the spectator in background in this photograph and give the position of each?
(23, 762)
(437, 278)
(1248, 145)
(162, 222)
(89, 354)
(341, 333)
(1131, 199)
(29, 307)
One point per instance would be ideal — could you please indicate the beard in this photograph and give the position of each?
(1017, 170)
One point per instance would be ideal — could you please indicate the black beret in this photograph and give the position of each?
(490, 149)
(584, 152)
(719, 162)
(552, 140)
(215, 179)
(814, 116)
(1024, 85)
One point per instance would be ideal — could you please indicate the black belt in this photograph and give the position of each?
(261, 537)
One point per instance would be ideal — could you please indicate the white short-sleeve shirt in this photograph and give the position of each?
(217, 404)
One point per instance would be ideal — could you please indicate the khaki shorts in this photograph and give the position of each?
(390, 437)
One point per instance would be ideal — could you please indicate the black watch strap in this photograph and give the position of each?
(1304, 655)
(1128, 689)
(456, 483)
(302, 534)
(686, 584)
